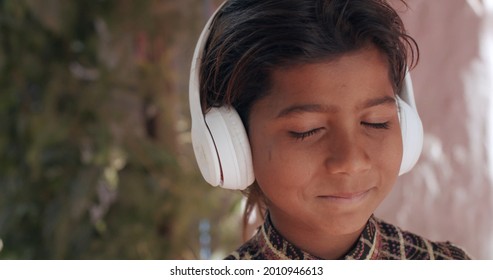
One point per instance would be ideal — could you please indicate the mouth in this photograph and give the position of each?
(349, 197)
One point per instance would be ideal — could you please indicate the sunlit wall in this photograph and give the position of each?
(448, 196)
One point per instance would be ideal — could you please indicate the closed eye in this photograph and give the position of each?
(303, 135)
(384, 125)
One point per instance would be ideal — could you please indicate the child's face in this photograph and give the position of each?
(326, 143)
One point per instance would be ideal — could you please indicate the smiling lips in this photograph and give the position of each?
(347, 197)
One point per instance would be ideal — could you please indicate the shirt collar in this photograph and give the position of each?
(277, 247)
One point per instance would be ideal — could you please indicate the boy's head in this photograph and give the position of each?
(315, 83)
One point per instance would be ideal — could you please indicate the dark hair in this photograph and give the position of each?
(250, 38)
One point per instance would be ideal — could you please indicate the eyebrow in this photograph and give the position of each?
(384, 100)
(318, 108)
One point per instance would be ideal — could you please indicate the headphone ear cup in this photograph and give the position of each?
(206, 154)
(232, 146)
(412, 135)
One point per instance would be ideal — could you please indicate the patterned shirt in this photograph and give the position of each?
(378, 241)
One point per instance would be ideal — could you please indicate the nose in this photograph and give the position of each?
(347, 155)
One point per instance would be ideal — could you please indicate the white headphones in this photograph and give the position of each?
(221, 145)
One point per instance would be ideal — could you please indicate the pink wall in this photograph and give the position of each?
(448, 195)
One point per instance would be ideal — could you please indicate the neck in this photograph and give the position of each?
(315, 240)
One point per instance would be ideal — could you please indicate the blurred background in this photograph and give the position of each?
(96, 161)
(95, 154)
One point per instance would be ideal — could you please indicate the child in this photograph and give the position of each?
(308, 105)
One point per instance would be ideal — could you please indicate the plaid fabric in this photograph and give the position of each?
(378, 241)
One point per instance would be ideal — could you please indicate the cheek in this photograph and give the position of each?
(387, 156)
(279, 169)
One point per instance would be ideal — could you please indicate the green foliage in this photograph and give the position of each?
(95, 155)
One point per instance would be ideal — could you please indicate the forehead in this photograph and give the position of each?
(366, 67)
(347, 80)
(368, 59)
